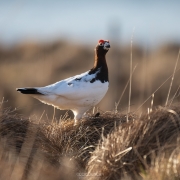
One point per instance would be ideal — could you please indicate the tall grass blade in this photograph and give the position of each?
(117, 104)
(174, 95)
(172, 78)
(130, 82)
(155, 91)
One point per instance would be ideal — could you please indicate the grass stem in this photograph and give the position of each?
(172, 78)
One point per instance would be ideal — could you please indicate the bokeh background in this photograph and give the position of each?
(43, 41)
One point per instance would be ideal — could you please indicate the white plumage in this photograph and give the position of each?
(78, 93)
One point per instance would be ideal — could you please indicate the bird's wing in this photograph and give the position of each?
(74, 87)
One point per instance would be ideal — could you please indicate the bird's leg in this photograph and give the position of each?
(77, 116)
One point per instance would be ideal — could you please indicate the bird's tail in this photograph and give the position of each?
(29, 91)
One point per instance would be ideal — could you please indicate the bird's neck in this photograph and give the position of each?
(100, 61)
(100, 65)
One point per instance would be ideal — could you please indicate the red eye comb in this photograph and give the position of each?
(101, 41)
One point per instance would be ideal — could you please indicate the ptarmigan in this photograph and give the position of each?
(78, 93)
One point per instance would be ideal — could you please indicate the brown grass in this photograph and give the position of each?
(105, 147)
(54, 142)
(133, 146)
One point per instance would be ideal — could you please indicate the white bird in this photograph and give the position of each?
(78, 93)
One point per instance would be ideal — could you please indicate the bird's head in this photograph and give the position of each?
(102, 47)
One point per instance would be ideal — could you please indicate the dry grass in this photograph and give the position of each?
(165, 165)
(105, 147)
(129, 150)
(57, 145)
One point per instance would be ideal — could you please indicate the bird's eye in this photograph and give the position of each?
(101, 44)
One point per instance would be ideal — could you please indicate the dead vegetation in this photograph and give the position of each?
(104, 147)
(131, 148)
(56, 144)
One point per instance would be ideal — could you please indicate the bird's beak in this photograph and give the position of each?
(107, 45)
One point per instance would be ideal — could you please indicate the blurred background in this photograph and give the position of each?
(43, 41)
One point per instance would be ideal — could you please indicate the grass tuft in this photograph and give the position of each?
(129, 149)
(104, 147)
